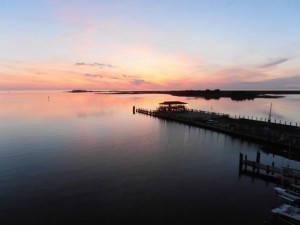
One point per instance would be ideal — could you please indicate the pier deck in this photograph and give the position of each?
(285, 138)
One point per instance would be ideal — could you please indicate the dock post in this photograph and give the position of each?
(273, 164)
(257, 157)
(268, 169)
(245, 164)
(241, 161)
(133, 109)
(257, 160)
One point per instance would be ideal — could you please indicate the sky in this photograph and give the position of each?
(149, 44)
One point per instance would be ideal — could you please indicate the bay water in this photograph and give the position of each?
(85, 158)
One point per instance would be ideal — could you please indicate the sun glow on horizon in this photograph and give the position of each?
(146, 45)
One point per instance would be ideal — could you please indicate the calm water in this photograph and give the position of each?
(86, 159)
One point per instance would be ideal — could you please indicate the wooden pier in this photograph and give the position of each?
(278, 138)
(279, 175)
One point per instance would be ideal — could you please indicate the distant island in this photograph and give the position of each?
(80, 91)
(237, 95)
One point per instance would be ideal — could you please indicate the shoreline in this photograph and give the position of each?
(237, 95)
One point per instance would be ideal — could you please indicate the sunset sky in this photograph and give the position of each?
(149, 44)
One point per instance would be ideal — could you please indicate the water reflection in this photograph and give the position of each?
(84, 115)
(115, 167)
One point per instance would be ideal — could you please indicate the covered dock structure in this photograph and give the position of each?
(172, 106)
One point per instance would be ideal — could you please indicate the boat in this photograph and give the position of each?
(287, 194)
(287, 213)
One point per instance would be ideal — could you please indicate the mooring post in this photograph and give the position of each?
(257, 157)
(245, 164)
(257, 160)
(273, 164)
(241, 161)
(133, 109)
(268, 169)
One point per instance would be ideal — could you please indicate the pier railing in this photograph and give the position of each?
(258, 119)
(284, 136)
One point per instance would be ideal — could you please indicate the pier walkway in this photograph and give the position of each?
(279, 138)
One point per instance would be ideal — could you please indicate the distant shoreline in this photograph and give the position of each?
(237, 95)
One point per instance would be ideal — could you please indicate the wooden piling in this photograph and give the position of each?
(257, 159)
(241, 161)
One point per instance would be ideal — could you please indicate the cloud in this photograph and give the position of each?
(137, 81)
(93, 75)
(273, 63)
(80, 64)
(291, 83)
(105, 65)
(101, 65)
(235, 74)
(127, 76)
